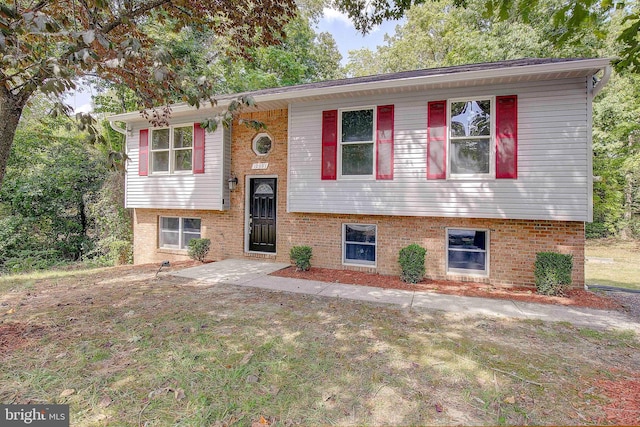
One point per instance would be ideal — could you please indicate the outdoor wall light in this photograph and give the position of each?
(233, 182)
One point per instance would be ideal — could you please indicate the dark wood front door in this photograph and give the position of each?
(262, 215)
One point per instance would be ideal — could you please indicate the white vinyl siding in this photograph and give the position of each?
(553, 159)
(181, 191)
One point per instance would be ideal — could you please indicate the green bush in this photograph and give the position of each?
(301, 257)
(596, 230)
(199, 248)
(411, 261)
(553, 273)
(31, 260)
(121, 252)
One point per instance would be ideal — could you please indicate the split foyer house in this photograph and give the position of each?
(484, 165)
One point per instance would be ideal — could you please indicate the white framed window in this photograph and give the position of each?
(176, 232)
(471, 138)
(262, 144)
(171, 150)
(359, 244)
(468, 251)
(356, 141)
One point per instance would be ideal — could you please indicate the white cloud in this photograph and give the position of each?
(84, 108)
(332, 15)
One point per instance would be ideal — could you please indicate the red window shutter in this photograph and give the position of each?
(507, 137)
(384, 142)
(143, 153)
(437, 140)
(198, 148)
(329, 144)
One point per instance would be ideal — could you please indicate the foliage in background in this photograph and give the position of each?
(570, 21)
(113, 232)
(46, 46)
(439, 33)
(552, 273)
(411, 261)
(303, 56)
(50, 175)
(198, 249)
(59, 202)
(616, 148)
(301, 257)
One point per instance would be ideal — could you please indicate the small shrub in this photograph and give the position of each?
(553, 273)
(596, 230)
(31, 260)
(411, 261)
(199, 248)
(121, 252)
(301, 257)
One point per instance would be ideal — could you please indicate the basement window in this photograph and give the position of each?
(468, 251)
(175, 233)
(359, 244)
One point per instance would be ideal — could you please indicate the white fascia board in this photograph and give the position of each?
(434, 79)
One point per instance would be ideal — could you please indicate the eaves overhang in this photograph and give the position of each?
(459, 76)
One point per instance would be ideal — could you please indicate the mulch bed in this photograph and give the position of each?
(574, 297)
(624, 405)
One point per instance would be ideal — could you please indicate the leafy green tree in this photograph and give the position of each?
(51, 173)
(571, 19)
(616, 140)
(46, 45)
(303, 57)
(440, 33)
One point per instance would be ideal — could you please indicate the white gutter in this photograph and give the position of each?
(117, 128)
(433, 79)
(602, 82)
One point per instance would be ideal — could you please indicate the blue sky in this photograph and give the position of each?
(334, 22)
(346, 36)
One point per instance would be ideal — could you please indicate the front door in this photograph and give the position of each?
(262, 215)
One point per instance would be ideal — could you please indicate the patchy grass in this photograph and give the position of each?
(623, 272)
(124, 348)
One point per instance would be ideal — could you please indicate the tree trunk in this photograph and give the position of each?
(10, 112)
(626, 232)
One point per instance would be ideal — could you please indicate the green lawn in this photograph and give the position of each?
(123, 348)
(624, 271)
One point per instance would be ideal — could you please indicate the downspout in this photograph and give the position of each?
(602, 82)
(117, 128)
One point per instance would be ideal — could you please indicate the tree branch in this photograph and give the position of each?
(133, 14)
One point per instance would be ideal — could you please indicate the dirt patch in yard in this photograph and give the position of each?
(15, 336)
(574, 297)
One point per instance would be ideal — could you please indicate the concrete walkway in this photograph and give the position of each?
(253, 273)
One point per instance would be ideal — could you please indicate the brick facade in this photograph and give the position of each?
(512, 250)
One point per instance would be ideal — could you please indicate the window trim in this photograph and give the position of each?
(255, 141)
(171, 150)
(465, 272)
(340, 143)
(344, 247)
(181, 232)
(492, 140)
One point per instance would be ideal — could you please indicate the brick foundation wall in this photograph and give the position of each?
(512, 250)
